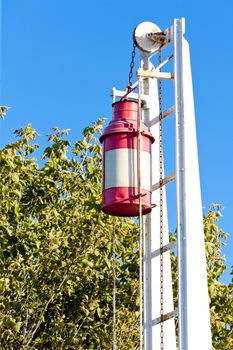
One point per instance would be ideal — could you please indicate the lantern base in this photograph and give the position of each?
(124, 201)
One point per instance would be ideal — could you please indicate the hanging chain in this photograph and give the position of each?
(114, 281)
(131, 66)
(140, 215)
(161, 208)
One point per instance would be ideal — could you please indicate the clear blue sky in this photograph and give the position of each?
(60, 58)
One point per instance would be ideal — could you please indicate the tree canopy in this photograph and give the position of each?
(56, 252)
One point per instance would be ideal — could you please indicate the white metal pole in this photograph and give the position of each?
(146, 115)
(152, 236)
(193, 308)
(194, 315)
(181, 189)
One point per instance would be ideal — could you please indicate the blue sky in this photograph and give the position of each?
(60, 58)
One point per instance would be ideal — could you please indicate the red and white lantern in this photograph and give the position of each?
(120, 169)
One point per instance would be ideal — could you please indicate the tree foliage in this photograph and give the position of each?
(221, 295)
(56, 252)
(56, 284)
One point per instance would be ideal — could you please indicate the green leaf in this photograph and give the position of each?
(17, 326)
(87, 262)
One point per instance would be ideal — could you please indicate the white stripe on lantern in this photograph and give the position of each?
(121, 168)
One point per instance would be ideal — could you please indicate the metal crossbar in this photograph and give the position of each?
(166, 113)
(164, 182)
(165, 317)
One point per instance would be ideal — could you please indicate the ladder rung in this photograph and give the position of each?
(164, 62)
(166, 113)
(165, 317)
(165, 181)
(166, 248)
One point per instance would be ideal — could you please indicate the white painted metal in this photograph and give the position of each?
(121, 168)
(180, 176)
(166, 113)
(166, 247)
(141, 36)
(154, 73)
(165, 181)
(194, 317)
(152, 242)
(132, 95)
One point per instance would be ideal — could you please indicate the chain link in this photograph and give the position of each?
(114, 282)
(161, 208)
(131, 66)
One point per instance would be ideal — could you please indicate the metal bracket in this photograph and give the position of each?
(159, 37)
(154, 74)
(165, 37)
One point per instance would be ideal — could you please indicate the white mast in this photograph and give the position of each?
(193, 309)
(194, 316)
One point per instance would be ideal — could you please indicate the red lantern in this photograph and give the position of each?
(120, 170)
